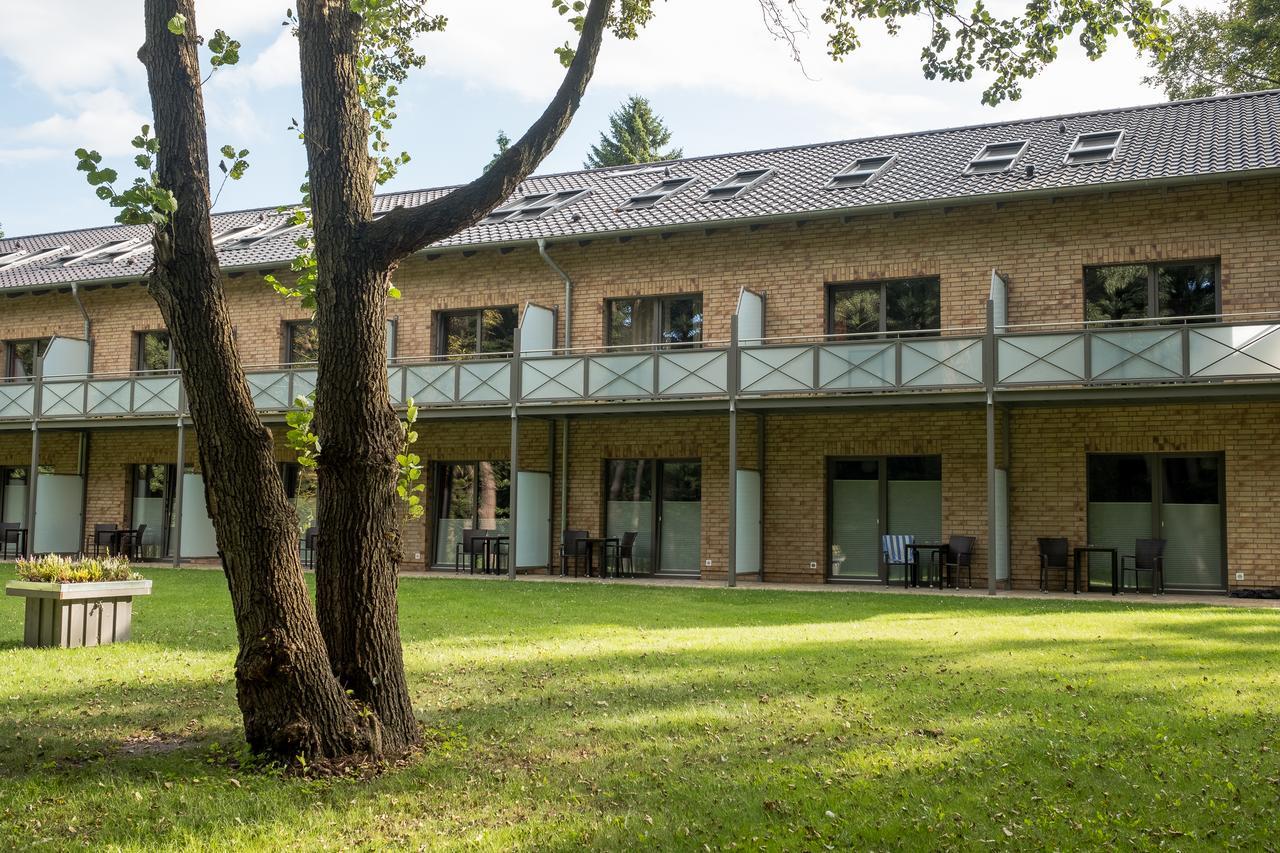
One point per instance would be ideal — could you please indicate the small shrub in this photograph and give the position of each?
(51, 568)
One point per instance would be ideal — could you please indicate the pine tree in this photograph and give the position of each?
(636, 135)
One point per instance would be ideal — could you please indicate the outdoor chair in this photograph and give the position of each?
(471, 548)
(309, 547)
(897, 553)
(1148, 558)
(624, 554)
(131, 542)
(1053, 558)
(572, 547)
(103, 537)
(9, 535)
(959, 558)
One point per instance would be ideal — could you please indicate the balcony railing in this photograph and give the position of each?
(1236, 348)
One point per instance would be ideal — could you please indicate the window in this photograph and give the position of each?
(244, 238)
(153, 351)
(657, 193)
(20, 357)
(996, 157)
(660, 500)
(1142, 291)
(899, 305)
(301, 343)
(655, 320)
(859, 173)
(152, 505)
(736, 185)
(1094, 147)
(534, 206)
(107, 252)
(19, 258)
(301, 487)
(871, 497)
(477, 331)
(470, 495)
(13, 494)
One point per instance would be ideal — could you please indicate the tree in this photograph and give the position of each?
(503, 142)
(1220, 52)
(636, 135)
(328, 682)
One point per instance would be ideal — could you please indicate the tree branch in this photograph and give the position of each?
(406, 230)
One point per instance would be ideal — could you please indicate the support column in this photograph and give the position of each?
(760, 438)
(989, 374)
(181, 479)
(551, 524)
(564, 481)
(731, 387)
(515, 458)
(33, 472)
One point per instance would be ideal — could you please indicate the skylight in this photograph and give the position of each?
(244, 238)
(17, 259)
(534, 206)
(996, 157)
(234, 235)
(1094, 147)
(736, 185)
(105, 252)
(859, 173)
(657, 193)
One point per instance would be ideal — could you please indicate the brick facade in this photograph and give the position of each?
(1039, 246)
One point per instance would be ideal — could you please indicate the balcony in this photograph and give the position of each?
(1236, 350)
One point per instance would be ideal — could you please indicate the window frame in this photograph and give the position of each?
(655, 195)
(984, 156)
(139, 336)
(534, 203)
(1076, 149)
(438, 494)
(720, 192)
(290, 329)
(657, 302)
(1153, 290)
(845, 179)
(440, 320)
(882, 283)
(10, 356)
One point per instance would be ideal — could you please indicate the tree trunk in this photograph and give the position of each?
(291, 702)
(360, 435)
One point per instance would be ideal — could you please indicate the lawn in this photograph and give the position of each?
(612, 716)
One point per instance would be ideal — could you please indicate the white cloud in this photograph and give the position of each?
(103, 120)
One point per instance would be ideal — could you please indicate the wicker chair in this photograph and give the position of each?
(1054, 557)
(1148, 558)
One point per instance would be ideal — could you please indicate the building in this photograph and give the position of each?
(1057, 327)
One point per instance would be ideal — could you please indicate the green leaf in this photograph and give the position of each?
(178, 24)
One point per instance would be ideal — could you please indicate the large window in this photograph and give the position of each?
(475, 495)
(654, 320)
(20, 357)
(868, 498)
(667, 520)
(1142, 291)
(300, 486)
(152, 505)
(13, 494)
(301, 343)
(477, 331)
(898, 305)
(152, 351)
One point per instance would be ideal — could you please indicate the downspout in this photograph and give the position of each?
(564, 424)
(75, 294)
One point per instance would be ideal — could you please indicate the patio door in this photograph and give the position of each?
(661, 501)
(868, 498)
(152, 505)
(1176, 497)
(474, 495)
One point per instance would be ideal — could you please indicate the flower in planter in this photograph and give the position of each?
(50, 568)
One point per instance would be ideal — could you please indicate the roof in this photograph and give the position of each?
(1232, 135)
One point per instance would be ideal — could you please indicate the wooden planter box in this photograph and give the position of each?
(68, 615)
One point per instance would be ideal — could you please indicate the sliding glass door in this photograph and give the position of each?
(1175, 497)
(669, 515)
(868, 498)
(152, 505)
(475, 495)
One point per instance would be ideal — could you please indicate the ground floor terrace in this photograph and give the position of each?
(813, 495)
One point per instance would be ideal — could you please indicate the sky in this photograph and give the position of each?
(69, 78)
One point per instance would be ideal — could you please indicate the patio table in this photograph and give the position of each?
(939, 548)
(1096, 549)
(492, 546)
(589, 544)
(17, 536)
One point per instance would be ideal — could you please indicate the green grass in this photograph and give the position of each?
(569, 716)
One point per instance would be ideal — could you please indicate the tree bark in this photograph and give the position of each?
(291, 702)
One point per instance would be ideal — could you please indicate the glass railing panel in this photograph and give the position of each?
(62, 398)
(941, 362)
(1040, 358)
(552, 378)
(484, 381)
(155, 395)
(775, 369)
(1246, 350)
(620, 376)
(693, 373)
(270, 389)
(395, 385)
(1134, 354)
(16, 399)
(431, 384)
(304, 382)
(108, 397)
(862, 366)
